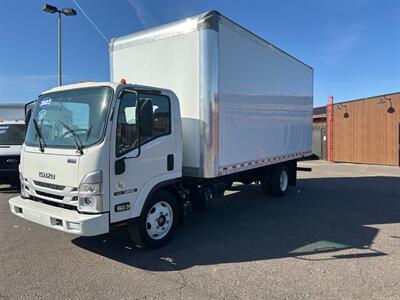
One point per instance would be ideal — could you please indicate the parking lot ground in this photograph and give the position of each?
(336, 235)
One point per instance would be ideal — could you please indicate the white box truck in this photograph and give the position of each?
(12, 133)
(191, 107)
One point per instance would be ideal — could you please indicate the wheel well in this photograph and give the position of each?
(170, 186)
(172, 190)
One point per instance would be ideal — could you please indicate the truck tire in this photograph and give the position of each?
(279, 181)
(203, 200)
(157, 222)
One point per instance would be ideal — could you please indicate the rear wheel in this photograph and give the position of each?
(157, 223)
(279, 181)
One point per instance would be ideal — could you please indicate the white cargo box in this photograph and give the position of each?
(244, 102)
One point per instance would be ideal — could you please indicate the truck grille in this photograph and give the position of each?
(9, 162)
(67, 206)
(49, 185)
(39, 193)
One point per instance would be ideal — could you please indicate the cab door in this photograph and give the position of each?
(140, 157)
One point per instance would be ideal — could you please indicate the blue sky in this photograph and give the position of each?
(353, 46)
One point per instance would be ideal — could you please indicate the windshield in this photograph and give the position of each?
(12, 134)
(64, 116)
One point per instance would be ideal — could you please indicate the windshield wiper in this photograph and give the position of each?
(77, 139)
(88, 133)
(39, 134)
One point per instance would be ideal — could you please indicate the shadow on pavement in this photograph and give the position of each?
(321, 215)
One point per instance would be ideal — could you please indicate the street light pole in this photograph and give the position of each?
(68, 12)
(59, 49)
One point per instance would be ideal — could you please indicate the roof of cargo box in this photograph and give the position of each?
(114, 85)
(207, 20)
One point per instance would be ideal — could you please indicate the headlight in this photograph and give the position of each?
(90, 193)
(90, 188)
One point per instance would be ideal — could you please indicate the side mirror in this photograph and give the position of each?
(28, 115)
(146, 117)
(120, 166)
(28, 110)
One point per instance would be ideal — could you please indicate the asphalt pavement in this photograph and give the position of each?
(335, 236)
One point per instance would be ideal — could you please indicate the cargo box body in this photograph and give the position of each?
(244, 102)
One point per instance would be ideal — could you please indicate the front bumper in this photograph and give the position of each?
(60, 218)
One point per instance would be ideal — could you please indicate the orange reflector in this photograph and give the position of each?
(122, 81)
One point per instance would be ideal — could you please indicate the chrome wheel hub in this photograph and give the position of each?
(159, 220)
(283, 181)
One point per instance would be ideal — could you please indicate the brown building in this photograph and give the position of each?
(360, 131)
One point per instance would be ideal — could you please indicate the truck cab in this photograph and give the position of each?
(95, 152)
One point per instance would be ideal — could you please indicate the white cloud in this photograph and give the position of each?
(340, 41)
(142, 13)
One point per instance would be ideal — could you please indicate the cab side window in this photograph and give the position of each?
(162, 116)
(127, 129)
(127, 135)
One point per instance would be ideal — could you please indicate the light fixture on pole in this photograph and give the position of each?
(68, 12)
(340, 106)
(385, 99)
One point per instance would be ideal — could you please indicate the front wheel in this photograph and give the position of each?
(157, 223)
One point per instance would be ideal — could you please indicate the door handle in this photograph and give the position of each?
(170, 162)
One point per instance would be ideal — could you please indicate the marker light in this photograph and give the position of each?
(123, 207)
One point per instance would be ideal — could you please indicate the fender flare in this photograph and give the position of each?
(143, 196)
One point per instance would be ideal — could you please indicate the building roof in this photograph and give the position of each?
(319, 110)
(367, 98)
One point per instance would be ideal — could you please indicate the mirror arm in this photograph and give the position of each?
(138, 127)
(138, 124)
(27, 104)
